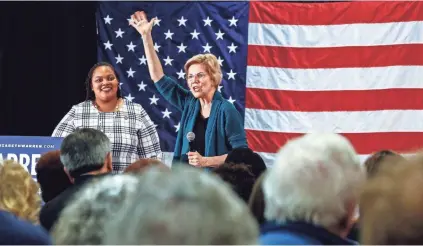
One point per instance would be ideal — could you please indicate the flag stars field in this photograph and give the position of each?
(195, 28)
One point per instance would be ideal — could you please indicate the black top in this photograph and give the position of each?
(354, 232)
(50, 212)
(200, 126)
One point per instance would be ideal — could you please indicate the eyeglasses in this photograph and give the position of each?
(200, 76)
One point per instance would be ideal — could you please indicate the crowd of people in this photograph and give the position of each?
(316, 192)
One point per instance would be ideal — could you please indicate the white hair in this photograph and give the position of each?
(83, 220)
(186, 207)
(312, 180)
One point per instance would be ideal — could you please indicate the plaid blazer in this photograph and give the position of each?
(132, 133)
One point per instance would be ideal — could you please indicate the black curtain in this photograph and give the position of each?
(46, 51)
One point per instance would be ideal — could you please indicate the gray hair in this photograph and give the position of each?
(186, 207)
(82, 221)
(84, 149)
(312, 179)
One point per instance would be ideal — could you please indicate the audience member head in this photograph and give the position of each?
(19, 192)
(143, 164)
(86, 151)
(186, 207)
(51, 176)
(256, 201)
(391, 206)
(316, 178)
(379, 160)
(247, 156)
(239, 177)
(82, 221)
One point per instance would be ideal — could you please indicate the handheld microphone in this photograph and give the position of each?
(191, 137)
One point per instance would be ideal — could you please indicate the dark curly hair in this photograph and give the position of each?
(249, 157)
(90, 93)
(239, 176)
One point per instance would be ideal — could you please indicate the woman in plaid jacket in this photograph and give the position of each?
(127, 124)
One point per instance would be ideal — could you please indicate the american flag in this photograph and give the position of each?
(353, 68)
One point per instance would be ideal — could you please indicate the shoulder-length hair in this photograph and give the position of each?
(19, 193)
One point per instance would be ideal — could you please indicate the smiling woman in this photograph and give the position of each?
(126, 124)
(216, 123)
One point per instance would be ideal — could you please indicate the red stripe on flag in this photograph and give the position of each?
(316, 101)
(364, 143)
(335, 13)
(335, 57)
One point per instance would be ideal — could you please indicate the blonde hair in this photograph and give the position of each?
(19, 192)
(210, 63)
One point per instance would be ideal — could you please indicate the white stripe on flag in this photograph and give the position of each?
(335, 78)
(269, 158)
(362, 34)
(339, 122)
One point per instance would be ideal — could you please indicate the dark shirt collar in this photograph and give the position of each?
(87, 177)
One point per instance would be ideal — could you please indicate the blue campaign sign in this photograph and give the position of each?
(27, 149)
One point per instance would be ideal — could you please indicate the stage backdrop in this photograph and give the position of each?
(43, 62)
(290, 68)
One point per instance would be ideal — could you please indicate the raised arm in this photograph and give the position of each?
(144, 27)
(168, 88)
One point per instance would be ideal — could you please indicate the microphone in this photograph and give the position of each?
(191, 137)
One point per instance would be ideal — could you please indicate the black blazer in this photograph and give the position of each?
(50, 212)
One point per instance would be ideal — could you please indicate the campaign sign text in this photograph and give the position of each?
(27, 150)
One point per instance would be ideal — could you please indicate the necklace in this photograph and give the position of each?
(116, 108)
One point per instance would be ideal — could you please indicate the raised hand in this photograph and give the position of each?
(141, 24)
